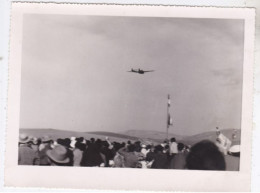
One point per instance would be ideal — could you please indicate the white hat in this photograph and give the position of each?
(234, 149)
(23, 138)
(73, 143)
(163, 145)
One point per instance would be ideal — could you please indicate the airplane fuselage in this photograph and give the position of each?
(139, 71)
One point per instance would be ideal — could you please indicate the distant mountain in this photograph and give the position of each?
(133, 135)
(211, 135)
(55, 134)
(152, 135)
(110, 134)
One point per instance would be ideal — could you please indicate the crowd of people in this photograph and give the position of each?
(78, 151)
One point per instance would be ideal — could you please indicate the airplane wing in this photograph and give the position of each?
(132, 70)
(148, 70)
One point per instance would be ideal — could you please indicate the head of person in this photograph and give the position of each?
(173, 139)
(205, 155)
(131, 148)
(88, 142)
(58, 156)
(123, 144)
(116, 146)
(105, 144)
(80, 146)
(158, 148)
(217, 131)
(66, 142)
(148, 147)
(35, 141)
(60, 141)
(46, 139)
(180, 146)
(98, 144)
(24, 139)
(92, 140)
(138, 147)
(80, 139)
(152, 148)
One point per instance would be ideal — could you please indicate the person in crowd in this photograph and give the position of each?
(129, 142)
(173, 150)
(205, 155)
(145, 149)
(73, 142)
(137, 150)
(165, 143)
(107, 151)
(166, 149)
(92, 140)
(138, 146)
(160, 158)
(151, 154)
(222, 142)
(179, 160)
(35, 143)
(130, 158)
(118, 160)
(123, 144)
(234, 135)
(27, 155)
(59, 156)
(78, 153)
(92, 156)
(67, 142)
(43, 148)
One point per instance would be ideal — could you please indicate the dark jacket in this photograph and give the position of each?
(160, 161)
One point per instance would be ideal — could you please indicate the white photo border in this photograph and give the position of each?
(126, 179)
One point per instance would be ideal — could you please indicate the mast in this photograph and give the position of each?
(168, 117)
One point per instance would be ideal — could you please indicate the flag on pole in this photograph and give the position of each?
(169, 101)
(169, 118)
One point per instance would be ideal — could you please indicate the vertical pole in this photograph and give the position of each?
(168, 105)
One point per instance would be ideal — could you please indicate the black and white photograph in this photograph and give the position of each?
(137, 92)
(131, 92)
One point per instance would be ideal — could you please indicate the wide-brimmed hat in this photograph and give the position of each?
(23, 138)
(58, 154)
(234, 150)
(46, 138)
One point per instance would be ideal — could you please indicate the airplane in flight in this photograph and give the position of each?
(140, 71)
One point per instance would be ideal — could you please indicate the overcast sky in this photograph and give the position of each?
(74, 73)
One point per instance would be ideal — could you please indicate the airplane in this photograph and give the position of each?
(139, 71)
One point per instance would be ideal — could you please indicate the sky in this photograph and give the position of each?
(75, 73)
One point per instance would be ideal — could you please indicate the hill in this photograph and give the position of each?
(55, 134)
(110, 134)
(133, 135)
(152, 135)
(211, 135)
